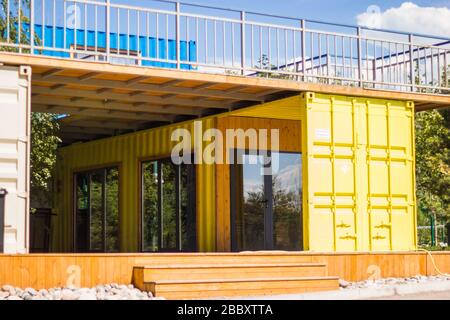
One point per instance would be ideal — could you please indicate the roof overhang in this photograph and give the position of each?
(102, 99)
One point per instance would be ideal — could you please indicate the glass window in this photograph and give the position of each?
(97, 210)
(287, 202)
(150, 204)
(168, 206)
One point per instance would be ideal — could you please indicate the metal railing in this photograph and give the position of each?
(207, 39)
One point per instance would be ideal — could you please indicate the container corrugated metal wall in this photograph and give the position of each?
(127, 151)
(15, 108)
(360, 174)
(288, 109)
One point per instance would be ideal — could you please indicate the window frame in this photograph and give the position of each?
(268, 192)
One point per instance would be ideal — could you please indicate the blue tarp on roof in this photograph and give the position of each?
(147, 45)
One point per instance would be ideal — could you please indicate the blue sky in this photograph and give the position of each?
(426, 17)
(342, 11)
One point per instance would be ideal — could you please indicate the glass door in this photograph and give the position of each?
(97, 211)
(266, 202)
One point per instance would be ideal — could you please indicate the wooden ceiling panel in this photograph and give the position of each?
(156, 80)
(71, 73)
(115, 77)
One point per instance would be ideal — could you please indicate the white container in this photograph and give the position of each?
(15, 110)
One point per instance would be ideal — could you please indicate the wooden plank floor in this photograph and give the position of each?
(45, 271)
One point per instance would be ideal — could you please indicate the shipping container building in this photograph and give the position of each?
(336, 103)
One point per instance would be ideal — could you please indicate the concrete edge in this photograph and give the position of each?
(363, 293)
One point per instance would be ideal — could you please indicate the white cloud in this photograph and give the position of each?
(408, 17)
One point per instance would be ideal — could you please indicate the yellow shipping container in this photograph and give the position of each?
(358, 175)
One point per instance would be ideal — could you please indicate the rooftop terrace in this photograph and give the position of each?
(176, 55)
(184, 36)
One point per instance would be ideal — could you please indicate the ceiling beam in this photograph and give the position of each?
(135, 80)
(91, 113)
(235, 89)
(171, 83)
(88, 76)
(114, 84)
(141, 107)
(204, 86)
(79, 136)
(51, 72)
(98, 131)
(139, 97)
(108, 124)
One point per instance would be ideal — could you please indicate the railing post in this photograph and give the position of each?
(360, 77)
(108, 31)
(243, 51)
(411, 63)
(446, 70)
(178, 38)
(303, 26)
(32, 31)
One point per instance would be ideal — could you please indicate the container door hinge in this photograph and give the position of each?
(23, 139)
(23, 195)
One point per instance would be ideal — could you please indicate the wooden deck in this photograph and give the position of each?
(104, 99)
(163, 270)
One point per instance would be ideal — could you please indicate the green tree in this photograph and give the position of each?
(9, 30)
(263, 63)
(433, 166)
(44, 145)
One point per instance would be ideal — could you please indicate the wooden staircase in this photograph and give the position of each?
(216, 279)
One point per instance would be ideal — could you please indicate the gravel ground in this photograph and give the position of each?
(389, 282)
(102, 292)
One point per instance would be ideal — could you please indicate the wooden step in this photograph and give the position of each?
(215, 288)
(259, 257)
(230, 271)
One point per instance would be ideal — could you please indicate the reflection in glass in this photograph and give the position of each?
(112, 210)
(287, 202)
(168, 206)
(97, 210)
(250, 204)
(267, 202)
(187, 204)
(150, 205)
(96, 216)
(82, 212)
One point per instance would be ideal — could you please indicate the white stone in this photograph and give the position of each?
(31, 291)
(343, 283)
(8, 288)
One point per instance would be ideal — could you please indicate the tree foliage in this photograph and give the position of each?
(44, 144)
(433, 162)
(12, 26)
(433, 165)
